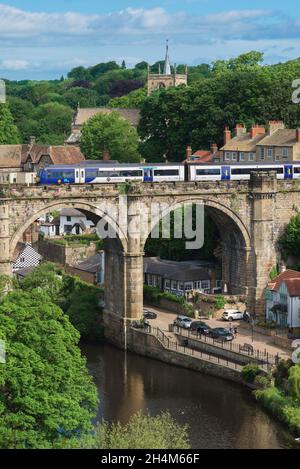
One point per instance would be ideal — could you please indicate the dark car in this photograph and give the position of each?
(200, 327)
(149, 314)
(222, 334)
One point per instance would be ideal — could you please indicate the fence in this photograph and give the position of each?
(258, 356)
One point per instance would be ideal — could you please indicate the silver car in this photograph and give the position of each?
(183, 321)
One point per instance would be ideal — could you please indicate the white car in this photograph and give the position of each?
(232, 315)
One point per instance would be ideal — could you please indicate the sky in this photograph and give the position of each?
(45, 39)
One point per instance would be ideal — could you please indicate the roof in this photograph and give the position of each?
(11, 156)
(281, 137)
(84, 114)
(21, 248)
(173, 270)
(292, 280)
(91, 264)
(62, 154)
(24, 272)
(71, 212)
(243, 142)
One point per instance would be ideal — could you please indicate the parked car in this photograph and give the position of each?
(232, 315)
(221, 334)
(149, 314)
(183, 321)
(200, 327)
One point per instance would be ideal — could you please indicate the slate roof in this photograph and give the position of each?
(71, 212)
(91, 264)
(62, 154)
(243, 142)
(281, 137)
(180, 271)
(84, 114)
(11, 156)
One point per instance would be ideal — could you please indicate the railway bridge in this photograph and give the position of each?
(249, 215)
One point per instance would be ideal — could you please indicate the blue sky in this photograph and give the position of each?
(43, 39)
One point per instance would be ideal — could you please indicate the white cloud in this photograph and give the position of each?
(12, 64)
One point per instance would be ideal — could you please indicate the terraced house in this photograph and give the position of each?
(261, 145)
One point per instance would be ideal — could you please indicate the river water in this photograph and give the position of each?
(220, 414)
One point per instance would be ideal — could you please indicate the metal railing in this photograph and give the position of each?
(258, 356)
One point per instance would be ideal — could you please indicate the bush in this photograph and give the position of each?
(250, 372)
(220, 302)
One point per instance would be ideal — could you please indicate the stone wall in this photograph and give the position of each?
(149, 346)
(65, 255)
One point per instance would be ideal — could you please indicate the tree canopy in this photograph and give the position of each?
(9, 133)
(112, 133)
(289, 241)
(47, 398)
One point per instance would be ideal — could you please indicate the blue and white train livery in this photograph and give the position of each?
(97, 172)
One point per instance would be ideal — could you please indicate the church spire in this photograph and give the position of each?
(167, 66)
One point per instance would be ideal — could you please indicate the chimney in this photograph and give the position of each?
(257, 130)
(189, 152)
(275, 125)
(32, 140)
(240, 129)
(213, 148)
(106, 155)
(298, 135)
(227, 135)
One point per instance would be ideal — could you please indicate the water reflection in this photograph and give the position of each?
(220, 414)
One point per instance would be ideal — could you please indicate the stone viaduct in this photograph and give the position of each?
(249, 215)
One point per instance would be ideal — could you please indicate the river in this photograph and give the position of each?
(220, 414)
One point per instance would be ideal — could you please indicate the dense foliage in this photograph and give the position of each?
(226, 92)
(289, 241)
(9, 133)
(47, 398)
(110, 133)
(143, 432)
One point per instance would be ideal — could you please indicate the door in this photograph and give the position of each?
(82, 176)
(148, 175)
(225, 173)
(288, 171)
(77, 176)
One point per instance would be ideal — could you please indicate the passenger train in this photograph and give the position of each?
(97, 172)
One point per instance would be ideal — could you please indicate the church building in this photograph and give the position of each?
(166, 79)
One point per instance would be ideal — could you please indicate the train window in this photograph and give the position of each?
(166, 172)
(278, 170)
(91, 172)
(296, 170)
(131, 173)
(208, 172)
(235, 171)
(61, 174)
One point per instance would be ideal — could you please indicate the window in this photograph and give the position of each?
(207, 172)
(166, 172)
(270, 152)
(227, 155)
(174, 285)
(22, 260)
(277, 157)
(234, 156)
(154, 280)
(167, 283)
(262, 153)
(181, 286)
(188, 286)
(205, 284)
(251, 156)
(241, 171)
(285, 153)
(68, 218)
(296, 170)
(150, 280)
(242, 156)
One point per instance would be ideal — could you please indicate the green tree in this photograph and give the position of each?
(289, 241)
(9, 133)
(143, 432)
(54, 123)
(47, 398)
(110, 132)
(294, 382)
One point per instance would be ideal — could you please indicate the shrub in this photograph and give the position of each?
(220, 302)
(250, 372)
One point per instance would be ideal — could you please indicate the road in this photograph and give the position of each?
(261, 342)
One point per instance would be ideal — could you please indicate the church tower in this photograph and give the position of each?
(167, 78)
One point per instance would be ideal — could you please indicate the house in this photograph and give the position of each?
(203, 156)
(25, 256)
(261, 145)
(11, 158)
(72, 221)
(84, 114)
(38, 156)
(49, 226)
(180, 278)
(283, 299)
(90, 270)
